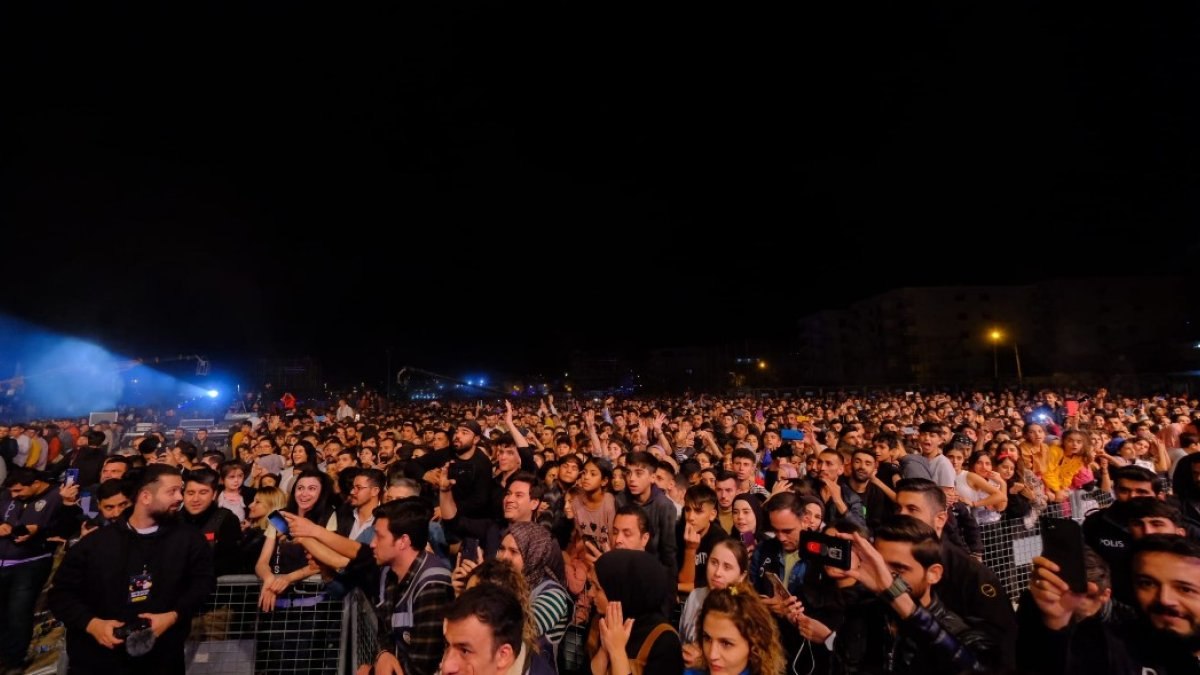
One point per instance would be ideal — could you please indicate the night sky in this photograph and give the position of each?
(487, 184)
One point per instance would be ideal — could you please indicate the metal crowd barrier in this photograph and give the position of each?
(231, 636)
(1010, 545)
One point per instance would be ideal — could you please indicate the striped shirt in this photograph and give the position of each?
(551, 611)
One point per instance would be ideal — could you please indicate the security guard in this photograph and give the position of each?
(27, 513)
(146, 574)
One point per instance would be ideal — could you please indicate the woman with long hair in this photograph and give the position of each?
(281, 564)
(266, 500)
(738, 635)
(982, 489)
(728, 564)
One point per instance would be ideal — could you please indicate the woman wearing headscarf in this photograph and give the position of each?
(531, 549)
(749, 522)
(635, 635)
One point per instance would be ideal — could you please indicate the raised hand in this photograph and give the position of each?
(615, 629)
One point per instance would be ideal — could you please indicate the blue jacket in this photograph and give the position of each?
(768, 557)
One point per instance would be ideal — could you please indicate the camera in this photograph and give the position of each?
(131, 627)
(826, 549)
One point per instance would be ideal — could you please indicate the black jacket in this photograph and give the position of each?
(1104, 532)
(973, 592)
(93, 582)
(472, 492)
(1115, 641)
(221, 530)
(932, 640)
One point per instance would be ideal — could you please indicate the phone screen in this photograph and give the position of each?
(470, 549)
(72, 477)
(276, 518)
(1072, 408)
(747, 539)
(777, 585)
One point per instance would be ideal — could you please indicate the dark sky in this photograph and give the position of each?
(482, 184)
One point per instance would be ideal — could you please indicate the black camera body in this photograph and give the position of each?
(131, 627)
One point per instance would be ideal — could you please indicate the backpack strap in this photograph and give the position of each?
(648, 644)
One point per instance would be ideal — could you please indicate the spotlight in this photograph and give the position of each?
(212, 393)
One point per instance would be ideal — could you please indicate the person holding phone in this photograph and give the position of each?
(1164, 636)
(912, 631)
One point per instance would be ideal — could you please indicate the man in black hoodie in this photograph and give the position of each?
(219, 525)
(147, 566)
(660, 511)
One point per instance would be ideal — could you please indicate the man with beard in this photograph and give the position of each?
(1164, 639)
(148, 570)
(469, 468)
(874, 494)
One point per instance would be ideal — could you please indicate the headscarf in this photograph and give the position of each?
(760, 519)
(635, 579)
(540, 553)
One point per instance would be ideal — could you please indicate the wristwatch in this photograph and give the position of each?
(898, 588)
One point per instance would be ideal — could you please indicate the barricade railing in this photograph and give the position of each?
(1009, 546)
(306, 631)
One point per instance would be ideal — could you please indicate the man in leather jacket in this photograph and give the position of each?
(909, 629)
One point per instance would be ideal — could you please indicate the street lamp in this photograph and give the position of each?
(995, 336)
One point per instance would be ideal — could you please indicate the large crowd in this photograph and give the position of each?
(833, 534)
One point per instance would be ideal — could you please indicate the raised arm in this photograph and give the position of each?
(589, 420)
(518, 438)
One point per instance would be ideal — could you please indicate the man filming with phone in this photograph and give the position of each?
(1164, 637)
(911, 630)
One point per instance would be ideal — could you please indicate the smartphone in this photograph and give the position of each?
(591, 539)
(777, 585)
(276, 518)
(909, 431)
(1062, 543)
(1072, 408)
(71, 477)
(470, 549)
(462, 472)
(825, 549)
(747, 539)
(791, 435)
